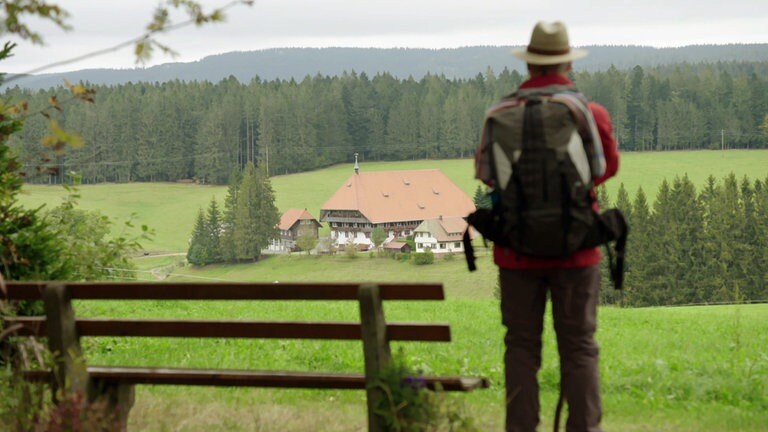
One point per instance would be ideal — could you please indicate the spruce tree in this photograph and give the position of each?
(267, 215)
(255, 214)
(623, 203)
(197, 254)
(245, 229)
(481, 198)
(228, 225)
(761, 238)
(725, 248)
(213, 222)
(659, 252)
(638, 243)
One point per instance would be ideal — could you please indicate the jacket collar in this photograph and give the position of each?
(546, 80)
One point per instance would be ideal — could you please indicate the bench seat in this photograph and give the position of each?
(250, 378)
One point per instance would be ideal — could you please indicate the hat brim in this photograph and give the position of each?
(543, 59)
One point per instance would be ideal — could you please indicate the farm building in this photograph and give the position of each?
(397, 201)
(294, 223)
(441, 235)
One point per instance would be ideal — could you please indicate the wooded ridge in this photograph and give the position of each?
(467, 62)
(200, 130)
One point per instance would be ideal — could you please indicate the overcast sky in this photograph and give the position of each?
(99, 24)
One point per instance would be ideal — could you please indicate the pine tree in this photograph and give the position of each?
(245, 229)
(268, 216)
(724, 247)
(255, 214)
(761, 238)
(197, 253)
(638, 245)
(212, 233)
(658, 263)
(481, 198)
(688, 220)
(228, 225)
(623, 203)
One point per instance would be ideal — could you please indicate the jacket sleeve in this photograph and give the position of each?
(610, 149)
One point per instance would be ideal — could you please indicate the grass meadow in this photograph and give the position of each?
(663, 369)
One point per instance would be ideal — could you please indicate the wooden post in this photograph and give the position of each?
(375, 348)
(119, 399)
(70, 373)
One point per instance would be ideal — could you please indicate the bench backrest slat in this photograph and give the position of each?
(226, 291)
(237, 329)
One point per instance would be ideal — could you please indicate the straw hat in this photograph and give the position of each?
(549, 45)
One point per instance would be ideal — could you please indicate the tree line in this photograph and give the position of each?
(200, 130)
(692, 247)
(244, 227)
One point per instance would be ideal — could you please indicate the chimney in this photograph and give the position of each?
(357, 167)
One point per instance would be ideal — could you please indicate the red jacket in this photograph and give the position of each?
(508, 258)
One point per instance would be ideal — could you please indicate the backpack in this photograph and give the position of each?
(541, 151)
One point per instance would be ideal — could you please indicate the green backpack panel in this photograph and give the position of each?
(542, 163)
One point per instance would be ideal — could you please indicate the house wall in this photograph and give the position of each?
(287, 238)
(424, 240)
(360, 229)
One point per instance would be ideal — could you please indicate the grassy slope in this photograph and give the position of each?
(171, 208)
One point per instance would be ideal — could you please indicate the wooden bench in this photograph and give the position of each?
(64, 330)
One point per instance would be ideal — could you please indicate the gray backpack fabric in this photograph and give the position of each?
(545, 153)
(542, 152)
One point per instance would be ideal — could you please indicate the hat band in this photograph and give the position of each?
(534, 50)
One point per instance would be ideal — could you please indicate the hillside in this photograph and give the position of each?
(296, 63)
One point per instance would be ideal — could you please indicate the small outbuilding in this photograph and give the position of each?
(441, 235)
(293, 224)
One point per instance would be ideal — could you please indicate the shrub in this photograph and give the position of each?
(350, 249)
(424, 258)
(408, 405)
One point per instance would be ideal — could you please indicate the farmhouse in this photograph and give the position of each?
(397, 201)
(294, 223)
(441, 235)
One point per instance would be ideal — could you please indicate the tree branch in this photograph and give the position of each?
(154, 28)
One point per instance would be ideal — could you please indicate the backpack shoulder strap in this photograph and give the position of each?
(578, 104)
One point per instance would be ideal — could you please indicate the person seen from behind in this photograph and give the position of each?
(571, 281)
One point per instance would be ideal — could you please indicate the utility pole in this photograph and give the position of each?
(722, 142)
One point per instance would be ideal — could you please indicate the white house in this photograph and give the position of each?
(441, 235)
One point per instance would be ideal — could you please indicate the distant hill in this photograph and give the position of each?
(296, 63)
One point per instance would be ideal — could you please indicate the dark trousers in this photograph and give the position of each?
(574, 294)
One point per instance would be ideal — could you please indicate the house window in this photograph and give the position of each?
(442, 245)
(457, 245)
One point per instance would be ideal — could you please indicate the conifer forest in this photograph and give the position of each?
(181, 130)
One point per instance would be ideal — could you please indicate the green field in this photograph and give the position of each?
(170, 209)
(663, 369)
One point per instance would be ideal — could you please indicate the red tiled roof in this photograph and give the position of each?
(394, 245)
(395, 196)
(292, 216)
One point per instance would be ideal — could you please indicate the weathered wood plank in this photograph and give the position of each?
(251, 378)
(95, 327)
(226, 291)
